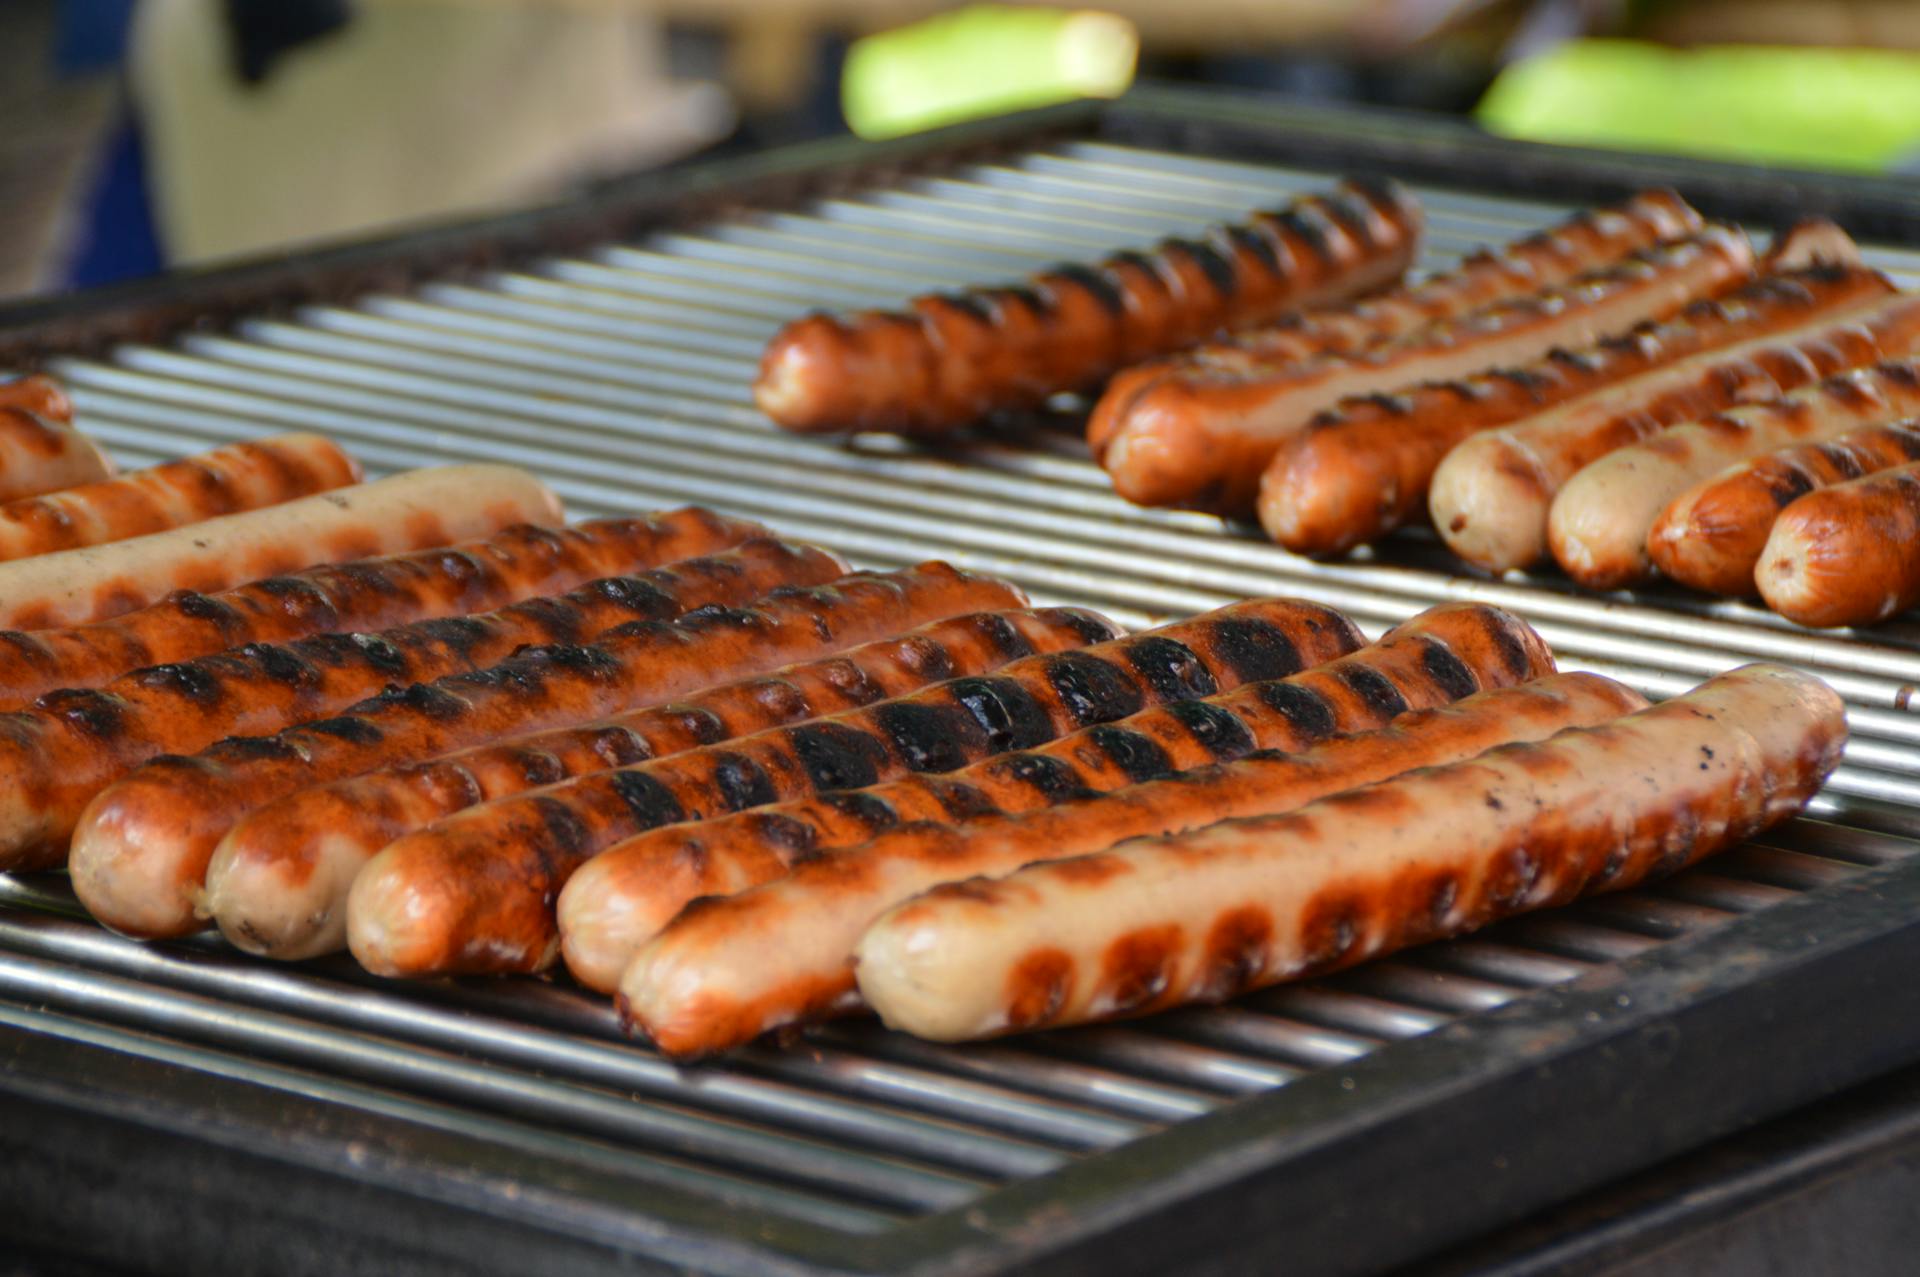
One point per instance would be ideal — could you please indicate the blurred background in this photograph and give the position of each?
(138, 135)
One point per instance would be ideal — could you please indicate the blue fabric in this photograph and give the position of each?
(117, 237)
(91, 35)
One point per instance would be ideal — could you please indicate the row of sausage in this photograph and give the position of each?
(1634, 392)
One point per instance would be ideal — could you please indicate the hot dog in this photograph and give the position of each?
(1363, 467)
(1588, 239)
(1598, 525)
(522, 562)
(241, 476)
(620, 899)
(406, 512)
(474, 892)
(950, 359)
(1712, 535)
(1490, 497)
(38, 454)
(40, 395)
(1845, 555)
(151, 833)
(1207, 915)
(74, 743)
(1204, 439)
(277, 883)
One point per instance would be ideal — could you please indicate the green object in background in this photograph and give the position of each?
(1851, 109)
(983, 61)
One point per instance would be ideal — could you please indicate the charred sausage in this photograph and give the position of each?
(1207, 915)
(150, 835)
(949, 359)
(1845, 555)
(474, 893)
(278, 880)
(1598, 525)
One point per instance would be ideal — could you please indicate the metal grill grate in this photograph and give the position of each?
(623, 377)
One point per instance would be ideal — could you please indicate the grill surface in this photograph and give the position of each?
(622, 376)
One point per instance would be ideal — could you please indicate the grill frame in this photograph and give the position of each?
(1604, 1086)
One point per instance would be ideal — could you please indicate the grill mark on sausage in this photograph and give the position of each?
(1171, 669)
(835, 756)
(1217, 731)
(1305, 710)
(647, 800)
(1090, 689)
(1134, 754)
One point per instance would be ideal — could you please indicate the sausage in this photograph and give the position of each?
(1588, 239)
(474, 893)
(1077, 940)
(148, 837)
(41, 455)
(74, 743)
(1202, 440)
(1598, 525)
(277, 883)
(1711, 536)
(40, 395)
(1207, 915)
(620, 899)
(1363, 467)
(951, 358)
(1489, 498)
(521, 562)
(1845, 555)
(241, 476)
(406, 512)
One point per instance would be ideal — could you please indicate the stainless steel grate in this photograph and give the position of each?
(623, 377)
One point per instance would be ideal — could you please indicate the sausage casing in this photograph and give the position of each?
(40, 395)
(622, 898)
(1599, 524)
(75, 743)
(152, 832)
(1712, 535)
(1845, 555)
(949, 359)
(1204, 439)
(277, 883)
(1207, 915)
(474, 892)
(1363, 467)
(1491, 495)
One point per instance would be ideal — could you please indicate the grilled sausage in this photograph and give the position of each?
(40, 395)
(474, 893)
(620, 899)
(1490, 497)
(1203, 440)
(522, 562)
(151, 834)
(406, 512)
(950, 359)
(1587, 240)
(1711, 536)
(1845, 555)
(1363, 467)
(277, 883)
(42, 455)
(1599, 523)
(240, 476)
(75, 743)
(1207, 915)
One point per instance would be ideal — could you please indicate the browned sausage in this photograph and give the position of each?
(1421, 855)
(1204, 439)
(240, 476)
(621, 898)
(1712, 535)
(1209, 914)
(57, 756)
(1845, 555)
(1588, 239)
(474, 893)
(521, 562)
(1599, 524)
(151, 834)
(278, 880)
(1491, 497)
(38, 454)
(40, 395)
(951, 359)
(1363, 467)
